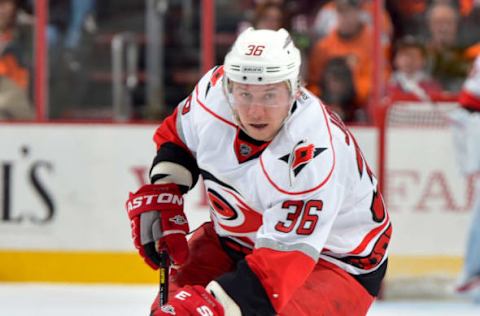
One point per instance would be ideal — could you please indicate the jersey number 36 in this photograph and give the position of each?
(305, 210)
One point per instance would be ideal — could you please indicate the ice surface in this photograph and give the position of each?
(24, 299)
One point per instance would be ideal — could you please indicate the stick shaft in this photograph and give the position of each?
(164, 271)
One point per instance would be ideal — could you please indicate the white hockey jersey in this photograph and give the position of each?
(307, 191)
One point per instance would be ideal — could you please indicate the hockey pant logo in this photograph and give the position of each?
(169, 309)
(178, 219)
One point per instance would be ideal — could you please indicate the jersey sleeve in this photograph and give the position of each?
(174, 161)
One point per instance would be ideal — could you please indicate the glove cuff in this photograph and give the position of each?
(229, 306)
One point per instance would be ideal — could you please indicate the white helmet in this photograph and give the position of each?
(264, 57)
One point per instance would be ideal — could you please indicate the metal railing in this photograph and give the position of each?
(125, 79)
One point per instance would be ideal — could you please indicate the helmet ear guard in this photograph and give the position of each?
(263, 57)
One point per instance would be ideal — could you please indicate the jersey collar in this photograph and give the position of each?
(246, 148)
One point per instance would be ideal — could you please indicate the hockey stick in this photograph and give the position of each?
(164, 271)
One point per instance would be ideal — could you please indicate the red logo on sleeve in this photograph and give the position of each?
(216, 76)
(187, 105)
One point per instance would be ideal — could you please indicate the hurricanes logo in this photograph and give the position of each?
(300, 156)
(235, 215)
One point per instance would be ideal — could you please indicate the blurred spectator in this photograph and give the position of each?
(352, 40)
(15, 47)
(327, 18)
(338, 91)
(268, 15)
(68, 22)
(409, 77)
(408, 17)
(471, 23)
(292, 15)
(81, 19)
(447, 60)
(466, 135)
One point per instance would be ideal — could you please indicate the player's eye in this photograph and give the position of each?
(270, 96)
(245, 95)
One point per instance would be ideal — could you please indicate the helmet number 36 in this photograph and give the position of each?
(255, 50)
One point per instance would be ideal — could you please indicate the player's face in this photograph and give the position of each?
(261, 109)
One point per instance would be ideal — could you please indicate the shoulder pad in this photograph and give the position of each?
(209, 99)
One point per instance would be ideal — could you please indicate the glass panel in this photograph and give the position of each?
(80, 34)
(92, 41)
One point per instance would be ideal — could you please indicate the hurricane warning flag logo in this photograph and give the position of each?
(300, 156)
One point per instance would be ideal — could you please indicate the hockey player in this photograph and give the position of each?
(298, 226)
(466, 132)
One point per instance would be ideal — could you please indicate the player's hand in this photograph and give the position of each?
(190, 301)
(158, 223)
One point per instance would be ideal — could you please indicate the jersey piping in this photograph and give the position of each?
(211, 112)
(302, 247)
(278, 188)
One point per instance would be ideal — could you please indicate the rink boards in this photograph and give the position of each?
(63, 187)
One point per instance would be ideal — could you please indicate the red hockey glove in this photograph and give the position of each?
(158, 222)
(190, 301)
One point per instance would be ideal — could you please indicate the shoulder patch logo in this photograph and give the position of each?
(217, 74)
(187, 105)
(300, 156)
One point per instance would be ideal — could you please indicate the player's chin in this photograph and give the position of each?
(260, 135)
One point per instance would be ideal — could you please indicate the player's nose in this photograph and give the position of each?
(256, 110)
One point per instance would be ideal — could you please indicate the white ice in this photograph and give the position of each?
(22, 299)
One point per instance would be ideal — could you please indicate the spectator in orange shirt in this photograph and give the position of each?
(352, 40)
(326, 18)
(14, 74)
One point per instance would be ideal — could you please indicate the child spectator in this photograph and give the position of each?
(409, 78)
